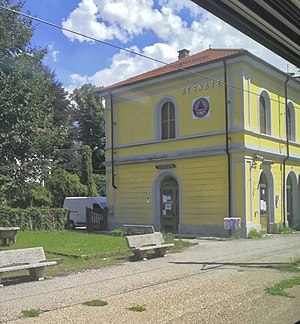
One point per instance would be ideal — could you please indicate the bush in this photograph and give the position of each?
(33, 218)
(63, 184)
(118, 232)
(254, 234)
(100, 181)
(285, 230)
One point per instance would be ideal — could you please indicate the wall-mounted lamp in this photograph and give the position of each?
(258, 157)
(165, 166)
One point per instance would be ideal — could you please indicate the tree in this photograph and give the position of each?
(90, 121)
(62, 184)
(87, 171)
(34, 107)
(100, 181)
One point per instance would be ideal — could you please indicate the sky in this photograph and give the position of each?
(155, 28)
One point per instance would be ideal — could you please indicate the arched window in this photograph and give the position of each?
(264, 113)
(291, 129)
(167, 121)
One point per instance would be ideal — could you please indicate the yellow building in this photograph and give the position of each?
(210, 136)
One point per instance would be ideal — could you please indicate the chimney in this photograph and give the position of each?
(183, 53)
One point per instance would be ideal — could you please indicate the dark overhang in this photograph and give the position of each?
(273, 23)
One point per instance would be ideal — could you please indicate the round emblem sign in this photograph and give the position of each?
(200, 108)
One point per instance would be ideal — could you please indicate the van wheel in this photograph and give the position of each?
(71, 225)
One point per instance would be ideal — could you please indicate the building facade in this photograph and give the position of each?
(210, 136)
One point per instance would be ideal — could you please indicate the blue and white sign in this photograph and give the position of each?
(201, 108)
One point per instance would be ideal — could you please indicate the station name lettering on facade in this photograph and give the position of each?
(201, 87)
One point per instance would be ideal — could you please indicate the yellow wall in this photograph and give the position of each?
(202, 181)
(198, 151)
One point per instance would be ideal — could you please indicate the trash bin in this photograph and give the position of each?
(227, 223)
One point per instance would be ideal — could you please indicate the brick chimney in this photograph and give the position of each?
(183, 53)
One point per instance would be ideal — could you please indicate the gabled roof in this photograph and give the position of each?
(208, 56)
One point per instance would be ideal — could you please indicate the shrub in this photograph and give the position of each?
(118, 232)
(285, 230)
(254, 234)
(33, 218)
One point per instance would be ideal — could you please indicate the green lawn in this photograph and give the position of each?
(70, 243)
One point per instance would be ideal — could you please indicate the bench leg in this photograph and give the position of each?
(139, 255)
(161, 252)
(37, 273)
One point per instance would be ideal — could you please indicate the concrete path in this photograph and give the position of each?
(208, 283)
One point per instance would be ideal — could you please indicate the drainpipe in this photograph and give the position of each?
(112, 141)
(287, 150)
(227, 141)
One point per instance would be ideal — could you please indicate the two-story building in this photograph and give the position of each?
(210, 136)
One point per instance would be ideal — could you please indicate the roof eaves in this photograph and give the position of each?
(121, 84)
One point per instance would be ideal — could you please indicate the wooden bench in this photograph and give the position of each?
(140, 244)
(32, 259)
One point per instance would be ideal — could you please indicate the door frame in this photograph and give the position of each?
(293, 195)
(162, 174)
(270, 194)
(172, 192)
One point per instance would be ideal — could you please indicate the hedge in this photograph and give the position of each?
(33, 218)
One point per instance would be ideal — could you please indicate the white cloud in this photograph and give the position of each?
(125, 19)
(52, 53)
(124, 65)
(84, 20)
(178, 5)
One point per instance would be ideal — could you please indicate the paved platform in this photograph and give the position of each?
(212, 282)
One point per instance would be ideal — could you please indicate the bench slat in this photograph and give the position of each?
(22, 256)
(32, 259)
(27, 266)
(139, 244)
(137, 241)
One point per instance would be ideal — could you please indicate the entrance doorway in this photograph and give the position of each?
(292, 209)
(263, 203)
(169, 215)
(289, 201)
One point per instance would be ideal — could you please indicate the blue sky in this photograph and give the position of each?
(156, 28)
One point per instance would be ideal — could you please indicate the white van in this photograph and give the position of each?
(77, 207)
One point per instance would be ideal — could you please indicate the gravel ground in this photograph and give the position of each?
(208, 283)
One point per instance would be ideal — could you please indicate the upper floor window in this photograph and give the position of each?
(291, 129)
(168, 121)
(264, 113)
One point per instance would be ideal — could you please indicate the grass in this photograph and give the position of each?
(70, 243)
(31, 313)
(95, 303)
(293, 266)
(254, 234)
(285, 230)
(279, 288)
(137, 308)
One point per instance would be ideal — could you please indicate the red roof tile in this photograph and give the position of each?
(207, 56)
